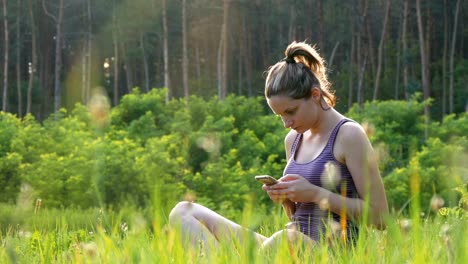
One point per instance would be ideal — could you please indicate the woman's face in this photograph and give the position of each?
(297, 114)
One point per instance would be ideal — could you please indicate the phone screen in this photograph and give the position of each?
(266, 179)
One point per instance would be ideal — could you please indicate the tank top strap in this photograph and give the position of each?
(331, 140)
(294, 145)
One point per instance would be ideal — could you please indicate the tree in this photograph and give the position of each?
(452, 55)
(6, 52)
(424, 61)
(166, 53)
(184, 50)
(404, 45)
(58, 20)
(223, 54)
(116, 56)
(18, 59)
(32, 66)
(444, 62)
(381, 47)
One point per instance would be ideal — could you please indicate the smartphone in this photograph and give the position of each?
(266, 179)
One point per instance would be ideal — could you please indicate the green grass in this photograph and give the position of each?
(96, 236)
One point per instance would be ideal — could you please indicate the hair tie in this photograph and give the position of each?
(288, 59)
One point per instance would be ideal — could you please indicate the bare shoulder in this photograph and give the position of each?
(288, 142)
(351, 131)
(290, 137)
(351, 140)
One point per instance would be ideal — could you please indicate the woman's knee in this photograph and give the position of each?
(290, 236)
(180, 210)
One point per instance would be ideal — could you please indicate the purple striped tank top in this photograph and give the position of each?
(324, 171)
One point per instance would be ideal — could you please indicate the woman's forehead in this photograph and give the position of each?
(280, 103)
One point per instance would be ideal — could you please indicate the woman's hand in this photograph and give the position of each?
(293, 187)
(274, 194)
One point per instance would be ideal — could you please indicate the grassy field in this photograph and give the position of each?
(142, 236)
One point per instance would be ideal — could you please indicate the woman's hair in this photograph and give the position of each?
(296, 74)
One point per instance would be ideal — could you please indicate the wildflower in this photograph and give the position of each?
(445, 234)
(405, 225)
(190, 197)
(99, 108)
(90, 249)
(24, 234)
(333, 231)
(124, 227)
(437, 202)
(324, 204)
(444, 230)
(368, 128)
(331, 176)
(38, 206)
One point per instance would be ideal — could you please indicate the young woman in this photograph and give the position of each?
(332, 174)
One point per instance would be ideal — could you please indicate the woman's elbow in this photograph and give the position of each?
(380, 217)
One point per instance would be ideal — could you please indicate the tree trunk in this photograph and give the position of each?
(397, 81)
(219, 66)
(184, 50)
(222, 54)
(197, 61)
(18, 60)
(6, 53)
(166, 53)
(351, 70)
(32, 66)
(332, 56)
(361, 54)
(381, 47)
(89, 51)
(404, 45)
(322, 28)
(83, 71)
(247, 56)
(225, 49)
(370, 47)
(240, 78)
(424, 62)
(116, 66)
(360, 97)
(127, 68)
(452, 55)
(58, 53)
(145, 62)
(292, 23)
(444, 62)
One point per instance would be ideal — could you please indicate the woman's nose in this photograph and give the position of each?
(287, 123)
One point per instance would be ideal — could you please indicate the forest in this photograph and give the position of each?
(115, 110)
(56, 52)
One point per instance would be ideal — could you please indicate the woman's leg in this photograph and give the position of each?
(294, 238)
(199, 223)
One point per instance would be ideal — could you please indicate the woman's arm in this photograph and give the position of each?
(288, 206)
(356, 152)
(354, 149)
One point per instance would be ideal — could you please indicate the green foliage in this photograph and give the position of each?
(460, 210)
(155, 153)
(132, 235)
(8, 126)
(9, 181)
(135, 105)
(397, 125)
(441, 168)
(452, 126)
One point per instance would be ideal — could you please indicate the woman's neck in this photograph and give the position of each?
(327, 122)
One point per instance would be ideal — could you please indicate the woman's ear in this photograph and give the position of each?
(316, 93)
